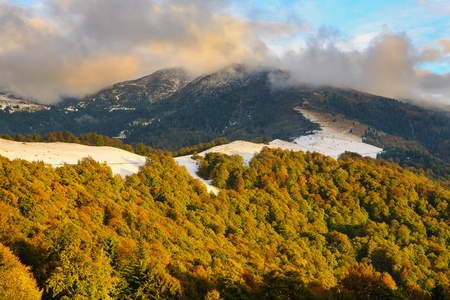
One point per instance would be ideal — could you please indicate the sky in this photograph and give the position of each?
(51, 49)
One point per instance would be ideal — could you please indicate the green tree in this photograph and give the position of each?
(144, 277)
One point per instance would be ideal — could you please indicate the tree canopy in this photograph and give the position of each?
(291, 225)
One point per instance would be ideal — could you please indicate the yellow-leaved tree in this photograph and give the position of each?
(16, 280)
(83, 273)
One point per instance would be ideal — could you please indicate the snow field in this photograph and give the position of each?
(334, 139)
(57, 154)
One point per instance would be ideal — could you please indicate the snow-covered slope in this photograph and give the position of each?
(192, 167)
(11, 105)
(245, 149)
(56, 154)
(334, 138)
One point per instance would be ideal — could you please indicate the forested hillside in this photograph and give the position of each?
(289, 226)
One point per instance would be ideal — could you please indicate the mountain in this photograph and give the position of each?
(149, 89)
(169, 109)
(165, 110)
(235, 103)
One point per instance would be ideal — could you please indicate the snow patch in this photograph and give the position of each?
(71, 109)
(334, 140)
(118, 107)
(57, 154)
(192, 167)
(13, 105)
(140, 122)
(122, 135)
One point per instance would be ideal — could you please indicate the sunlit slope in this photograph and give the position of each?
(57, 154)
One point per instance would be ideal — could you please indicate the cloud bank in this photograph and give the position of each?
(73, 47)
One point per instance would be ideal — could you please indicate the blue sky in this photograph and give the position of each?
(398, 49)
(357, 21)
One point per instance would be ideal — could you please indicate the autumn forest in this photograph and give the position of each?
(290, 225)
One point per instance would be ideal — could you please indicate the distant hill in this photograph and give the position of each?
(169, 109)
(10, 104)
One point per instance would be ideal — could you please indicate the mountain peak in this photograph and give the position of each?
(151, 88)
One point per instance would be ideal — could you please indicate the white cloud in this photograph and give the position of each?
(437, 6)
(83, 46)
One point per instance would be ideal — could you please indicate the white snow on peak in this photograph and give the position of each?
(14, 105)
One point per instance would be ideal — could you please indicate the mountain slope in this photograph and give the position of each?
(148, 89)
(10, 104)
(163, 110)
(58, 154)
(235, 103)
(170, 110)
(430, 128)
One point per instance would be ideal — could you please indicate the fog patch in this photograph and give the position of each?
(86, 119)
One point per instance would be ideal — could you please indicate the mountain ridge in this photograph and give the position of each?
(169, 110)
(153, 87)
